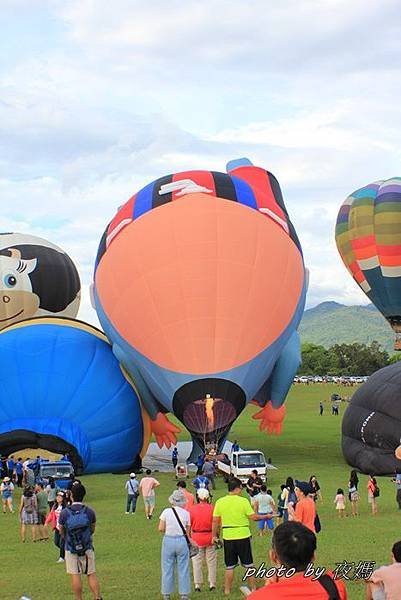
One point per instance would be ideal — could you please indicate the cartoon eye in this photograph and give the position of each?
(10, 281)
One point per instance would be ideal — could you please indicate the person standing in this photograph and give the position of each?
(79, 554)
(200, 481)
(316, 491)
(41, 501)
(51, 492)
(199, 464)
(53, 520)
(147, 487)
(209, 471)
(305, 509)
(19, 471)
(201, 519)
(321, 408)
(254, 484)
(231, 517)
(353, 493)
(7, 491)
(28, 511)
(174, 523)
(190, 499)
(132, 487)
(372, 493)
(11, 467)
(397, 481)
(385, 582)
(264, 505)
(174, 457)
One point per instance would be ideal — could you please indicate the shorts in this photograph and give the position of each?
(238, 549)
(80, 565)
(149, 501)
(269, 522)
(354, 496)
(29, 518)
(41, 518)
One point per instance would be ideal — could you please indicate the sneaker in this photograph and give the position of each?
(60, 560)
(150, 516)
(197, 589)
(126, 512)
(212, 588)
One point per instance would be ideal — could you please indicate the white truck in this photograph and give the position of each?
(242, 463)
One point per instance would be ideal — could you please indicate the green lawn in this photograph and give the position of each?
(128, 546)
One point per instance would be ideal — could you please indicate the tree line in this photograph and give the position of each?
(345, 359)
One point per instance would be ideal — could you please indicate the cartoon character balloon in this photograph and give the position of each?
(200, 286)
(36, 278)
(368, 236)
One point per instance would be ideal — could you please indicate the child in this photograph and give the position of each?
(264, 505)
(340, 503)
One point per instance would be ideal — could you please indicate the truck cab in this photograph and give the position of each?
(60, 470)
(242, 463)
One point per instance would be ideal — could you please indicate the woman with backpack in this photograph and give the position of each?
(28, 510)
(373, 493)
(292, 498)
(52, 519)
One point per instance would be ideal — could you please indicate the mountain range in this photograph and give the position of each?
(332, 323)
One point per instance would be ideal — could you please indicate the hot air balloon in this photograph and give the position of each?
(368, 236)
(62, 390)
(200, 285)
(371, 427)
(37, 278)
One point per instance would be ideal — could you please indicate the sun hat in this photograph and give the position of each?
(177, 498)
(6, 479)
(203, 494)
(304, 486)
(132, 475)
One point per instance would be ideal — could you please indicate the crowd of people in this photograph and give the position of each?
(195, 528)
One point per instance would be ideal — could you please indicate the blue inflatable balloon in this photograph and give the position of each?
(62, 389)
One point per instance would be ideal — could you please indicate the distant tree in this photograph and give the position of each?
(344, 359)
(316, 360)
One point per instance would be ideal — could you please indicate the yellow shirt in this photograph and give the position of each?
(234, 511)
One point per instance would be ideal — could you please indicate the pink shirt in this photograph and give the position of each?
(147, 485)
(390, 577)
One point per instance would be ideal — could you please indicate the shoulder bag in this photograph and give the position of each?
(192, 547)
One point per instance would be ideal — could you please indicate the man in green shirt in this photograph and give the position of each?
(41, 499)
(231, 516)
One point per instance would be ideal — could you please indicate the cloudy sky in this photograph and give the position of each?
(98, 98)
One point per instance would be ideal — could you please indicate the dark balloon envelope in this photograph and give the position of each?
(371, 427)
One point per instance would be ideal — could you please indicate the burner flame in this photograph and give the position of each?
(209, 403)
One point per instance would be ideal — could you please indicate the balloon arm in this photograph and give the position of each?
(164, 431)
(149, 402)
(284, 371)
(271, 419)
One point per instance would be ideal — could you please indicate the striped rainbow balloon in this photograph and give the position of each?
(368, 237)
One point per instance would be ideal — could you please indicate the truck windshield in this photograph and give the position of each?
(251, 460)
(55, 470)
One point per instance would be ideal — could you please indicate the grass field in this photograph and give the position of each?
(128, 546)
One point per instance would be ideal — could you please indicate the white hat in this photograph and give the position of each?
(203, 494)
(6, 479)
(132, 475)
(177, 498)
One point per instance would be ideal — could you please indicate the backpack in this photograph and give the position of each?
(376, 492)
(79, 534)
(28, 505)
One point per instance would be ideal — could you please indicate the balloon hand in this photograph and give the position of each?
(271, 419)
(164, 431)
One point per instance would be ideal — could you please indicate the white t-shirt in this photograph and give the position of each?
(172, 525)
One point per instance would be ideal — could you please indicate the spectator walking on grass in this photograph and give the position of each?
(201, 519)
(294, 546)
(7, 492)
(147, 488)
(305, 509)
(373, 493)
(385, 582)
(282, 504)
(397, 481)
(174, 523)
(209, 471)
(339, 501)
(132, 487)
(353, 494)
(28, 511)
(53, 520)
(291, 498)
(174, 457)
(264, 504)
(231, 517)
(189, 498)
(77, 524)
(41, 501)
